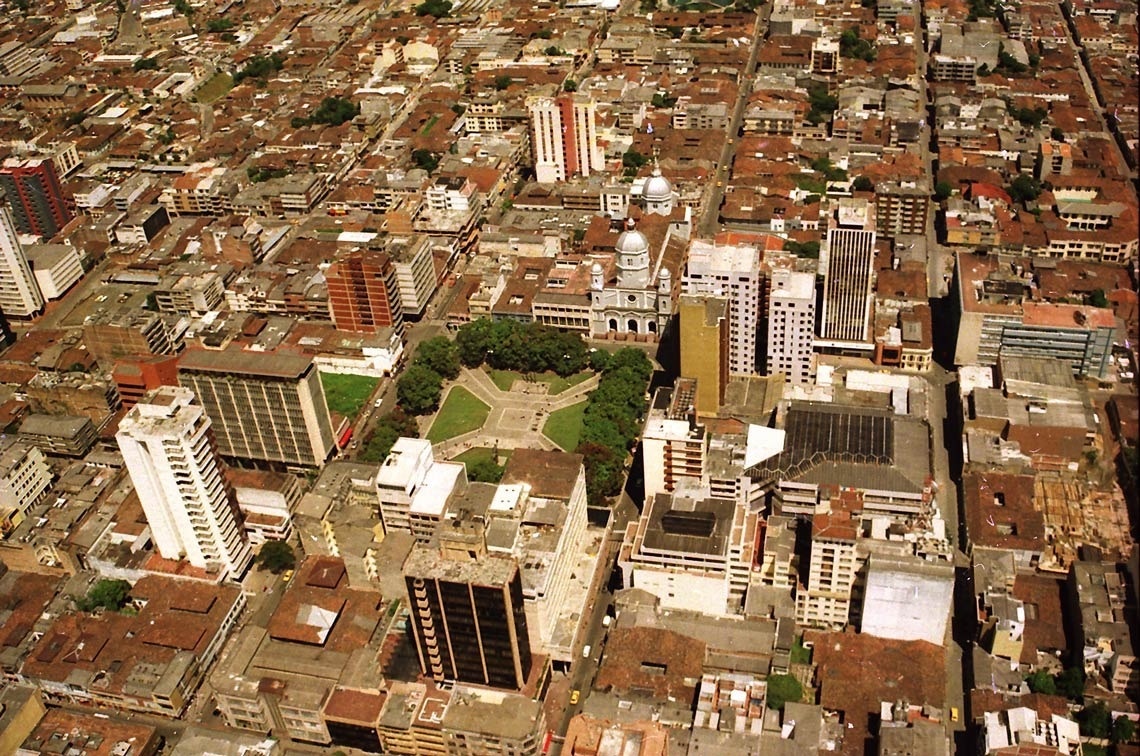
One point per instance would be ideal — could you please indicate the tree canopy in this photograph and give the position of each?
(418, 389)
(106, 594)
(525, 347)
(388, 429)
(441, 355)
(276, 556)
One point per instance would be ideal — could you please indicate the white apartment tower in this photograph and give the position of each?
(20, 297)
(848, 288)
(564, 136)
(791, 324)
(732, 272)
(169, 452)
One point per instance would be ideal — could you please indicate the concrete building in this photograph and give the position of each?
(704, 336)
(1000, 315)
(416, 280)
(192, 511)
(673, 444)
(1100, 610)
(24, 480)
(35, 196)
(691, 551)
(467, 611)
(1023, 730)
(21, 710)
(732, 272)
(63, 731)
(56, 267)
(20, 296)
(364, 292)
(113, 334)
(64, 435)
(414, 489)
(564, 137)
(826, 599)
(791, 324)
(849, 261)
(266, 407)
(907, 599)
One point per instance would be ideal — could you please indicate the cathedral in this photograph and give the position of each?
(638, 303)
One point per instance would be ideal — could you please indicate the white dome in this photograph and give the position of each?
(631, 242)
(657, 188)
(597, 269)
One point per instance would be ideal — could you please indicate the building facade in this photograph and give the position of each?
(24, 480)
(564, 137)
(848, 289)
(20, 296)
(169, 452)
(266, 407)
(35, 196)
(705, 348)
(732, 272)
(364, 292)
(467, 614)
(791, 324)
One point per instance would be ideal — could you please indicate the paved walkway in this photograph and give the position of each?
(517, 416)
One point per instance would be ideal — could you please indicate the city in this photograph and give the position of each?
(590, 377)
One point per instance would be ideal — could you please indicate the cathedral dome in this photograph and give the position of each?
(631, 242)
(657, 188)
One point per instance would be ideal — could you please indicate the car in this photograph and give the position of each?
(953, 713)
(586, 651)
(286, 576)
(574, 696)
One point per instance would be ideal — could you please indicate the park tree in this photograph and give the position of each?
(485, 471)
(473, 341)
(105, 594)
(439, 354)
(603, 472)
(388, 430)
(276, 556)
(419, 389)
(782, 689)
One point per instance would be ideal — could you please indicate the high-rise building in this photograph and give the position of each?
(704, 336)
(733, 272)
(791, 323)
(364, 293)
(467, 610)
(826, 601)
(673, 445)
(564, 136)
(20, 297)
(35, 196)
(264, 406)
(192, 512)
(848, 288)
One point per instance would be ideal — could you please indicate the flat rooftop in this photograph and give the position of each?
(276, 364)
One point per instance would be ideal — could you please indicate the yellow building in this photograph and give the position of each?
(704, 348)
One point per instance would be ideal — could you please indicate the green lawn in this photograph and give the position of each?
(564, 426)
(346, 394)
(504, 379)
(461, 412)
(800, 654)
(214, 88)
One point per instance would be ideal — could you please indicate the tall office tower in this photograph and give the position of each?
(467, 610)
(364, 293)
(169, 452)
(848, 288)
(564, 136)
(704, 337)
(35, 196)
(732, 272)
(20, 297)
(791, 324)
(266, 406)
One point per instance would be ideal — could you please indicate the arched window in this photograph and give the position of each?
(632, 325)
(613, 324)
